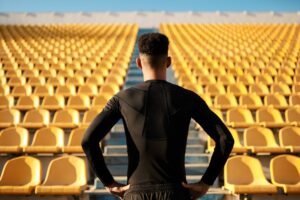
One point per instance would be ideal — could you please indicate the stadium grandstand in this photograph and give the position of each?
(59, 67)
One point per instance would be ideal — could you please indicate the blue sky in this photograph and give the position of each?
(150, 5)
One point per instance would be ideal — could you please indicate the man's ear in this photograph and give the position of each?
(138, 62)
(169, 61)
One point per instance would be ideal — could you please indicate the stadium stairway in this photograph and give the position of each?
(115, 150)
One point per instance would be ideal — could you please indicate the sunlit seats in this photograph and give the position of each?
(27, 102)
(66, 118)
(55, 102)
(88, 89)
(289, 137)
(56, 80)
(36, 81)
(237, 89)
(269, 117)
(43, 90)
(280, 88)
(244, 175)
(9, 117)
(13, 139)
(21, 90)
(89, 116)
(46, 140)
(215, 89)
(250, 101)
(225, 101)
(259, 88)
(292, 115)
(74, 143)
(275, 100)
(4, 89)
(36, 118)
(73, 181)
(15, 81)
(239, 118)
(79, 102)
(6, 101)
(66, 90)
(294, 99)
(285, 170)
(261, 140)
(20, 176)
(100, 100)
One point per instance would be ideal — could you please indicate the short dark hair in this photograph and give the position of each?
(153, 44)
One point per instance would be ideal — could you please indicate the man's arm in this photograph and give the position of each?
(218, 131)
(100, 126)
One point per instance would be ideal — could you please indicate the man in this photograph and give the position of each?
(156, 116)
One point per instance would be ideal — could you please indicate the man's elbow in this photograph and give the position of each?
(85, 143)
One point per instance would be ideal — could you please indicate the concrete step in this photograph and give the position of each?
(122, 149)
(122, 141)
(122, 159)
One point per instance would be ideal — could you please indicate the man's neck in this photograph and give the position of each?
(154, 77)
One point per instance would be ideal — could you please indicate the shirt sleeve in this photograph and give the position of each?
(100, 126)
(218, 131)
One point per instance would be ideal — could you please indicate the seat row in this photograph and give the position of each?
(45, 140)
(262, 140)
(244, 175)
(22, 175)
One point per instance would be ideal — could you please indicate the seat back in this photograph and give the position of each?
(37, 116)
(259, 136)
(14, 136)
(294, 99)
(225, 100)
(57, 100)
(292, 114)
(48, 136)
(285, 169)
(31, 100)
(6, 101)
(66, 116)
(250, 100)
(66, 170)
(239, 115)
(23, 170)
(289, 136)
(90, 115)
(268, 114)
(10, 116)
(275, 100)
(76, 136)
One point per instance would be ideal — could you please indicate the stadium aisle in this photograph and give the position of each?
(116, 153)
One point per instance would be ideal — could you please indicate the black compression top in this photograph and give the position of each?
(156, 116)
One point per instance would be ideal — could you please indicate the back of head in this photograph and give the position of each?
(154, 46)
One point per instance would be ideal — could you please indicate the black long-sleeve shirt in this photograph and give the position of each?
(156, 116)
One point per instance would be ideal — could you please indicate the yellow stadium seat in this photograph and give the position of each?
(239, 118)
(292, 115)
(261, 140)
(36, 81)
(6, 101)
(284, 78)
(20, 176)
(259, 88)
(296, 88)
(225, 101)
(264, 78)
(215, 89)
(4, 90)
(16, 81)
(226, 79)
(244, 175)
(250, 101)
(36, 118)
(66, 90)
(276, 100)
(95, 79)
(66, 118)
(55, 102)
(100, 100)
(205, 79)
(9, 117)
(13, 139)
(285, 170)
(83, 72)
(46, 140)
(237, 148)
(110, 89)
(270, 117)
(74, 143)
(88, 89)
(21, 90)
(294, 99)
(76, 80)
(246, 79)
(289, 137)
(27, 102)
(194, 87)
(48, 73)
(89, 116)
(207, 99)
(43, 90)
(237, 89)
(79, 102)
(56, 80)
(280, 88)
(73, 181)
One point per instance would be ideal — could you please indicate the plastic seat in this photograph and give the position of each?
(239, 118)
(244, 175)
(79, 102)
(27, 102)
(73, 181)
(284, 78)
(100, 101)
(225, 101)
(55, 102)
(285, 170)
(95, 79)
(215, 89)
(276, 100)
(76, 80)
(194, 87)
(36, 118)
(46, 140)
(246, 79)
(21, 90)
(20, 176)
(261, 140)
(110, 89)
(56, 80)
(270, 117)
(207, 99)
(205, 80)
(296, 88)
(289, 137)
(294, 99)
(264, 78)
(74, 143)
(66, 118)
(280, 88)
(13, 139)
(237, 148)
(43, 90)
(16, 81)
(250, 101)
(88, 89)
(237, 89)
(6, 101)
(4, 90)
(259, 89)
(89, 116)
(226, 79)
(292, 115)
(36, 81)
(66, 90)
(9, 117)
